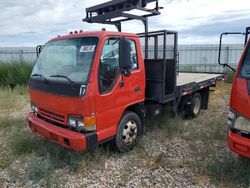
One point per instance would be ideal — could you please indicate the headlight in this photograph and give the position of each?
(242, 123)
(75, 121)
(86, 123)
(231, 117)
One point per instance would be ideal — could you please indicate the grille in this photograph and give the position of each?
(51, 116)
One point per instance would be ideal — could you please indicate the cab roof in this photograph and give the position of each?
(99, 34)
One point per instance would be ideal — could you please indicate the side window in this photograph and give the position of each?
(245, 70)
(109, 65)
(134, 62)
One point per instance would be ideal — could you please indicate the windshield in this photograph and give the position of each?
(70, 59)
(245, 69)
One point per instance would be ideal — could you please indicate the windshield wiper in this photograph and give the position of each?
(41, 76)
(63, 76)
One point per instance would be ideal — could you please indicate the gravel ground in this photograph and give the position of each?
(164, 157)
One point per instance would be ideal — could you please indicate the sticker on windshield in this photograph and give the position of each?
(88, 48)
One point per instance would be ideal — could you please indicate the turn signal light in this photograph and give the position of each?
(90, 123)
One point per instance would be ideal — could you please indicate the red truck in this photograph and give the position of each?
(88, 88)
(239, 111)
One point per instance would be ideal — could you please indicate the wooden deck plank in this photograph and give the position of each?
(186, 78)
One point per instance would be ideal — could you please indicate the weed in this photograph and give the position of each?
(2, 180)
(14, 73)
(161, 161)
(5, 161)
(40, 169)
(170, 125)
(188, 68)
(228, 169)
(22, 143)
(11, 122)
(230, 75)
(12, 104)
(207, 140)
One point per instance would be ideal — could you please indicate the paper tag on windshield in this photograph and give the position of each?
(88, 48)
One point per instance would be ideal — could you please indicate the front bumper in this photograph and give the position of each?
(67, 138)
(239, 144)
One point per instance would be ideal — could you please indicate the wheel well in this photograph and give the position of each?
(188, 98)
(204, 98)
(139, 109)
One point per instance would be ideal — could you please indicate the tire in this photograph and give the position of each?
(128, 132)
(193, 109)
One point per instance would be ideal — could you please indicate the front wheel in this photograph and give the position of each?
(129, 129)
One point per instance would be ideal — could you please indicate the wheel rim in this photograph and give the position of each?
(197, 104)
(129, 132)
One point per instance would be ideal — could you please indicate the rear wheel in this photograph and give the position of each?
(194, 108)
(129, 129)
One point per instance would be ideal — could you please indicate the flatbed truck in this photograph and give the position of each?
(88, 88)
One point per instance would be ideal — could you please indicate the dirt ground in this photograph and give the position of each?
(173, 152)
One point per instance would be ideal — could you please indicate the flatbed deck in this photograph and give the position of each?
(188, 78)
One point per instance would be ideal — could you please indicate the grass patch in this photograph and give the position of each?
(15, 140)
(25, 142)
(13, 123)
(2, 180)
(5, 161)
(45, 156)
(22, 143)
(172, 126)
(228, 169)
(205, 135)
(230, 75)
(41, 169)
(12, 101)
(207, 139)
(58, 156)
(14, 73)
(50, 157)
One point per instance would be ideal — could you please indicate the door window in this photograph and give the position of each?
(134, 62)
(109, 65)
(245, 69)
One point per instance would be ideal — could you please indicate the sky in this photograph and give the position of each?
(27, 23)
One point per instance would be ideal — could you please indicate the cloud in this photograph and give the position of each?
(30, 22)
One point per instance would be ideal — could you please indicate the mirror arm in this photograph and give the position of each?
(122, 81)
(229, 67)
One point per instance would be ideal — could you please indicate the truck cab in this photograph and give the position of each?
(239, 110)
(77, 83)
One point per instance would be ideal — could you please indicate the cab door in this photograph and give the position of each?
(115, 92)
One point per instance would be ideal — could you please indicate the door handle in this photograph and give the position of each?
(137, 90)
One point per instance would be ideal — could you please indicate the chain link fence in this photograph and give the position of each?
(197, 58)
(9, 54)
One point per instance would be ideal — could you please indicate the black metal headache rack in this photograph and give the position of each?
(160, 65)
(117, 11)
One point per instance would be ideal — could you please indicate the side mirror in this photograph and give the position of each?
(125, 56)
(39, 49)
(220, 46)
